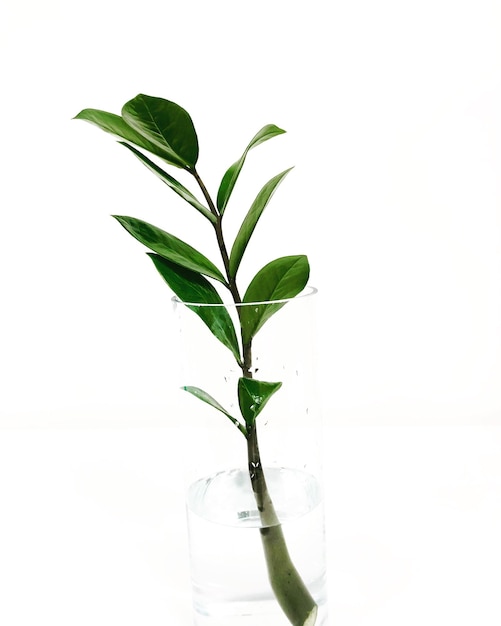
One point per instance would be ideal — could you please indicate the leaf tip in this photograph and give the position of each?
(278, 130)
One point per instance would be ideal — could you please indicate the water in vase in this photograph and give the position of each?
(228, 568)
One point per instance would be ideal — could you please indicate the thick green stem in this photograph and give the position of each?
(288, 586)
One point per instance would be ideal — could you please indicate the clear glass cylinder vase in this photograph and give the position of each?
(254, 495)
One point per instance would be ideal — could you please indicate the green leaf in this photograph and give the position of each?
(166, 125)
(231, 175)
(169, 247)
(172, 183)
(205, 397)
(114, 124)
(251, 219)
(253, 396)
(191, 287)
(281, 279)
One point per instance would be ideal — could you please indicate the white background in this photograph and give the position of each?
(393, 118)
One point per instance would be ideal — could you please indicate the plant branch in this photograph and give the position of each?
(207, 197)
(232, 286)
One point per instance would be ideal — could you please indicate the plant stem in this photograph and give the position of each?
(218, 227)
(288, 586)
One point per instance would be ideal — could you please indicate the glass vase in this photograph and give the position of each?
(254, 495)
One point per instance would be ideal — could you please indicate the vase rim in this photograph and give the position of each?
(307, 292)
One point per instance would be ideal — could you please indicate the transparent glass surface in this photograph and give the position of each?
(228, 566)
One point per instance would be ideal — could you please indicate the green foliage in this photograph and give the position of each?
(208, 399)
(157, 125)
(115, 125)
(166, 125)
(231, 175)
(166, 131)
(253, 395)
(191, 287)
(172, 183)
(280, 280)
(170, 247)
(250, 221)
